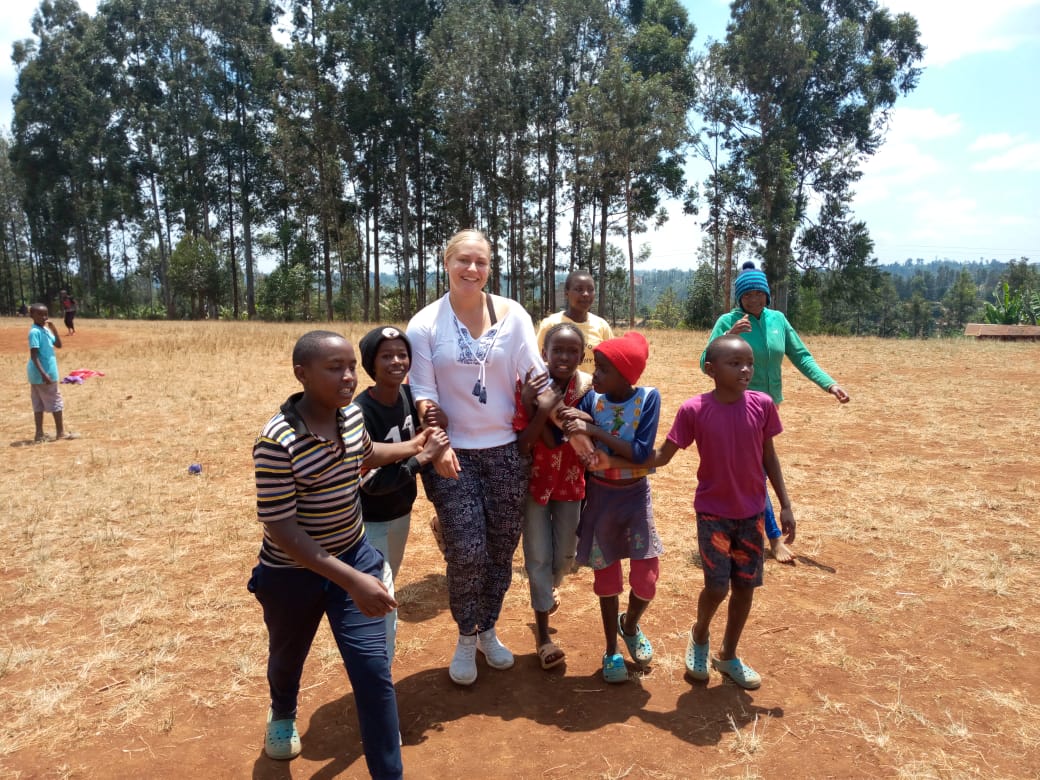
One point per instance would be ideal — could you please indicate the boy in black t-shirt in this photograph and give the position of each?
(387, 493)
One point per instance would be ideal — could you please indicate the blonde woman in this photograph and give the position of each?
(469, 348)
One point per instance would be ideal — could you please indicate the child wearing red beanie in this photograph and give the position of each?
(617, 521)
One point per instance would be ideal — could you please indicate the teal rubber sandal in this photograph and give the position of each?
(739, 672)
(282, 740)
(638, 645)
(614, 670)
(697, 659)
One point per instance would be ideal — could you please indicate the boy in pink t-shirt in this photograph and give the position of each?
(733, 428)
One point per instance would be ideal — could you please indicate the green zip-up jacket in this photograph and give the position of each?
(771, 337)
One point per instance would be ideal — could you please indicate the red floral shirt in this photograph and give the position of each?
(556, 472)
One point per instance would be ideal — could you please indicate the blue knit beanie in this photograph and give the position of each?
(751, 280)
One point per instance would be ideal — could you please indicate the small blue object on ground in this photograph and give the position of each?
(195, 468)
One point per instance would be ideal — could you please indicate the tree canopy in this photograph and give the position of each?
(158, 151)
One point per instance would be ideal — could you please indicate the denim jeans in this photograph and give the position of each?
(550, 540)
(294, 601)
(389, 538)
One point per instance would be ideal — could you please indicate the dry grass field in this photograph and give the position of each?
(903, 644)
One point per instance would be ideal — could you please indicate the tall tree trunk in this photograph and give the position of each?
(326, 264)
(631, 255)
(604, 202)
(406, 239)
(232, 262)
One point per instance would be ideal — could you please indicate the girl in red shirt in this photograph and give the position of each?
(557, 480)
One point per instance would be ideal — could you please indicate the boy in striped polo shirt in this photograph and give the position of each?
(314, 559)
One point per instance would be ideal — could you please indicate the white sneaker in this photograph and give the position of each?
(463, 668)
(496, 653)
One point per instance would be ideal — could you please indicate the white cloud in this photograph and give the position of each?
(937, 217)
(921, 124)
(1014, 220)
(993, 141)
(905, 158)
(1020, 158)
(952, 29)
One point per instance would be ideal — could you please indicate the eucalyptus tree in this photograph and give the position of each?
(245, 56)
(311, 135)
(628, 122)
(15, 281)
(474, 85)
(714, 106)
(59, 138)
(816, 80)
(386, 58)
(167, 106)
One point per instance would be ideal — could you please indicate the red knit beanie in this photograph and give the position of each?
(628, 354)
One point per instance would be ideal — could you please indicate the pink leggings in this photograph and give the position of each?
(642, 576)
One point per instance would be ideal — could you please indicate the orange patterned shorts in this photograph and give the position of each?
(731, 550)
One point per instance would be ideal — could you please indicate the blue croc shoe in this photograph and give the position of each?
(739, 672)
(697, 659)
(282, 740)
(614, 670)
(638, 645)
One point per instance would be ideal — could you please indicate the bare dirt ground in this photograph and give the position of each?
(903, 644)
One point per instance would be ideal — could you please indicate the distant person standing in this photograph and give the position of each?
(581, 292)
(771, 337)
(43, 373)
(68, 305)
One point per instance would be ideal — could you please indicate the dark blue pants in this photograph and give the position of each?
(294, 601)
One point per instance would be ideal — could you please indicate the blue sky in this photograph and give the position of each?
(959, 174)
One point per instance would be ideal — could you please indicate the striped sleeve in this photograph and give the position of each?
(275, 481)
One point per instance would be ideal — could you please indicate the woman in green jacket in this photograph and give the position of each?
(771, 338)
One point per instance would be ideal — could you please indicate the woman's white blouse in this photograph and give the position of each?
(439, 373)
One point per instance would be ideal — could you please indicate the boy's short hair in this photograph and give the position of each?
(308, 346)
(37, 307)
(717, 343)
(576, 274)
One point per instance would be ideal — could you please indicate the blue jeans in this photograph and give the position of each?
(550, 541)
(294, 601)
(389, 538)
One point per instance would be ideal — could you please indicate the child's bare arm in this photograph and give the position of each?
(660, 457)
(431, 414)
(538, 398)
(384, 453)
(391, 477)
(618, 446)
(771, 462)
(368, 592)
(54, 331)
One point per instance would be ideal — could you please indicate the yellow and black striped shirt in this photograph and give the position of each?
(303, 476)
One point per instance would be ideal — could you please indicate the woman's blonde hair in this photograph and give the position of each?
(470, 234)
